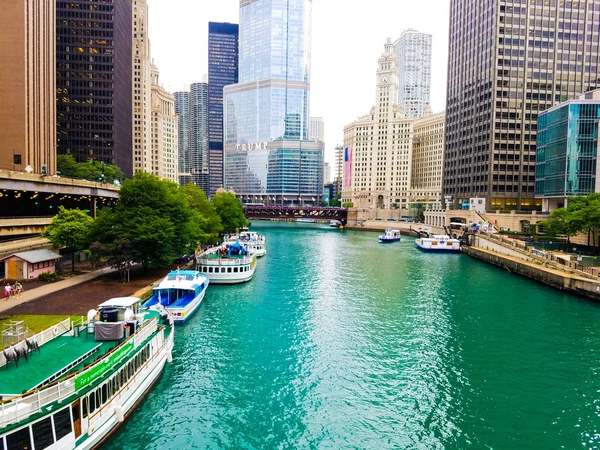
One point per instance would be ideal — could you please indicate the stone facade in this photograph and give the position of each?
(381, 145)
(165, 126)
(142, 159)
(28, 85)
(428, 158)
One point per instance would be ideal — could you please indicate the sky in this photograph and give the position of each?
(347, 39)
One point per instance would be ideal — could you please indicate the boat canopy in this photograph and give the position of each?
(119, 302)
(236, 249)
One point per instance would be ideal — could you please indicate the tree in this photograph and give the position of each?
(335, 201)
(206, 219)
(231, 211)
(89, 170)
(69, 229)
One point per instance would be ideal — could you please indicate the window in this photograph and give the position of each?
(18, 440)
(62, 423)
(42, 434)
(92, 402)
(17, 159)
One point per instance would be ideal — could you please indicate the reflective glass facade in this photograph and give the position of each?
(222, 71)
(94, 81)
(567, 150)
(182, 106)
(266, 113)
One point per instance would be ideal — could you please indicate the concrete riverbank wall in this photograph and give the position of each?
(537, 270)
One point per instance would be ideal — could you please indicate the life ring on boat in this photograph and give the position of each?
(55, 330)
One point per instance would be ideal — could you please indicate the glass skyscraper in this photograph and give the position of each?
(198, 134)
(508, 61)
(268, 157)
(567, 151)
(414, 68)
(182, 109)
(222, 71)
(94, 81)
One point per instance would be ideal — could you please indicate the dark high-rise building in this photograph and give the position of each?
(222, 71)
(94, 81)
(198, 134)
(508, 61)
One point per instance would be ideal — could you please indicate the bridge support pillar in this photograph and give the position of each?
(93, 207)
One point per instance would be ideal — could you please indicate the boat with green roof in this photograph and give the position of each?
(70, 386)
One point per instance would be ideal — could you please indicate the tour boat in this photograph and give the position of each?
(305, 220)
(334, 223)
(227, 264)
(390, 236)
(180, 293)
(438, 243)
(70, 386)
(252, 240)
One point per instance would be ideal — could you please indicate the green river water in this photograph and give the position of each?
(340, 342)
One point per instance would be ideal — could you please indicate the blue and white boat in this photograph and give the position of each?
(180, 293)
(390, 236)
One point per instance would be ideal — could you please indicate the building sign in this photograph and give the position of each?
(251, 147)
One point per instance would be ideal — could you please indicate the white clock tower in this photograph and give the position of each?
(387, 80)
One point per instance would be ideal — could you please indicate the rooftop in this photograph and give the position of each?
(35, 256)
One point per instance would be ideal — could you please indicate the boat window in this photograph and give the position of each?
(210, 270)
(62, 423)
(104, 393)
(42, 434)
(93, 402)
(235, 269)
(84, 408)
(229, 270)
(18, 440)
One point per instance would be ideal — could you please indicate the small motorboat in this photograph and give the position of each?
(390, 236)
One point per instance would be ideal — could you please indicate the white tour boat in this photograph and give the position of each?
(438, 243)
(180, 293)
(390, 236)
(252, 240)
(230, 263)
(70, 386)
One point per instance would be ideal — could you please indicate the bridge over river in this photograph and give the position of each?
(296, 212)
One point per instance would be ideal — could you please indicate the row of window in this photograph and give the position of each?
(211, 269)
(43, 434)
(98, 397)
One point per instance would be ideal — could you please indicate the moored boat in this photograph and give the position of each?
(254, 242)
(438, 243)
(181, 293)
(305, 220)
(390, 236)
(70, 386)
(227, 264)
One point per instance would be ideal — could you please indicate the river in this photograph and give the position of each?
(342, 342)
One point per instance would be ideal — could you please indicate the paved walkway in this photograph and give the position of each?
(51, 288)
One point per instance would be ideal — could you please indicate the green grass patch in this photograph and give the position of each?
(34, 322)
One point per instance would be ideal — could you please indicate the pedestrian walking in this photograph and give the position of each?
(19, 289)
(7, 290)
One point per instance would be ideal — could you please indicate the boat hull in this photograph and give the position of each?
(389, 241)
(437, 249)
(180, 316)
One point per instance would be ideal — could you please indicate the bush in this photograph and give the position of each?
(49, 276)
(347, 205)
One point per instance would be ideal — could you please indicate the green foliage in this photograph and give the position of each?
(69, 229)
(335, 201)
(582, 214)
(347, 205)
(49, 276)
(89, 170)
(206, 223)
(231, 211)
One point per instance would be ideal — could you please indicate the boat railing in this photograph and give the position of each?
(18, 408)
(225, 261)
(43, 337)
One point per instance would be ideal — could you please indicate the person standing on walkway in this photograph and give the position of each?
(7, 290)
(18, 288)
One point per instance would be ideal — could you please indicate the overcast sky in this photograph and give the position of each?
(347, 39)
